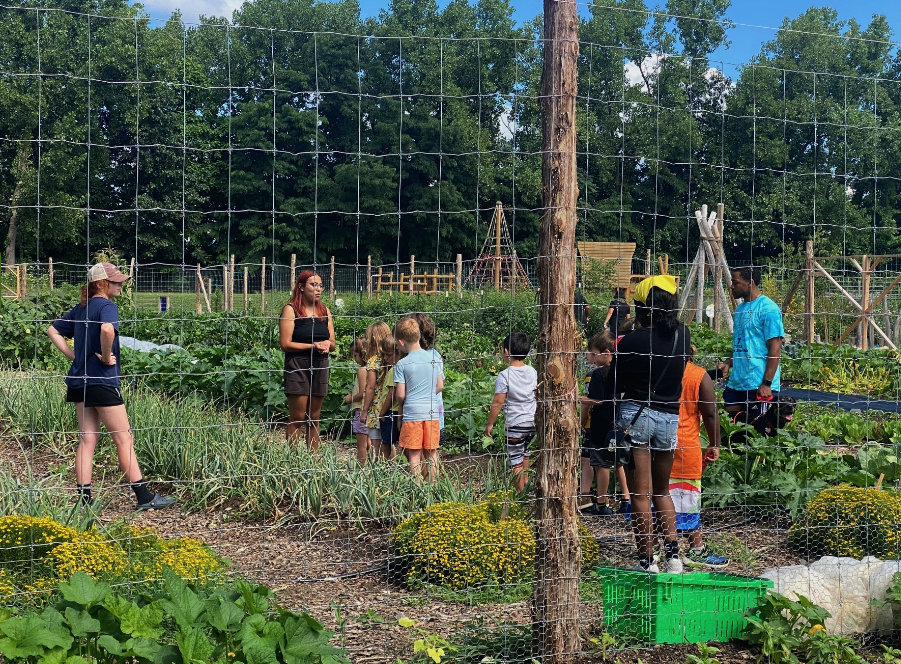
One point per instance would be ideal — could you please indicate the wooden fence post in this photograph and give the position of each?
(225, 286)
(809, 293)
(50, 272)
(412, 271)
(331, 279)
(368, 276)
(460, 275)
(865, 331)
(263, 285)
(558, 555)
(293, 272)
(198, 280)
(231, 283)
(24, 268)
(246, 291)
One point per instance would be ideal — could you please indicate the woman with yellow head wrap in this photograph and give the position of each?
(646, 381)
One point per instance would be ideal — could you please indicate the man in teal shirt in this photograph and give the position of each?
(753, 370)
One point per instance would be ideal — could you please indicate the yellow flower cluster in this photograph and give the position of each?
(458, 546)
(24, 538)
(187, 557)
(850, 521)
(93, 557)
(461, 546)
(48, 552)
(6, 586)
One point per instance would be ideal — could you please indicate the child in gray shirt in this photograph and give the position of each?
(514, 392)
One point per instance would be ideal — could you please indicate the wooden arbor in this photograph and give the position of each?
(866, 305)
(710, 258)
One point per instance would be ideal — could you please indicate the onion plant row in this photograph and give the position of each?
(215, 459)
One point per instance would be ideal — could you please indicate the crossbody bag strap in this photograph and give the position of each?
(659, 378)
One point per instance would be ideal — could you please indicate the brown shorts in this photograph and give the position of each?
(306, 375)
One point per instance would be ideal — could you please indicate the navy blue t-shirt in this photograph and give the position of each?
(83, 325)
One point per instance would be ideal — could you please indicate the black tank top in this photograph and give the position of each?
(308, 330)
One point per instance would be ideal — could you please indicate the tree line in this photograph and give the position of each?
(302, 127)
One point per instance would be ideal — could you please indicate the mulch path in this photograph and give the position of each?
(318, 567)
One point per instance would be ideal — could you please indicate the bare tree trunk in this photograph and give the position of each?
(21, 163)
(555, 609)
(10, 251)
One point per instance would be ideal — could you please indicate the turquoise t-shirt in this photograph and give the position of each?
(756, 322)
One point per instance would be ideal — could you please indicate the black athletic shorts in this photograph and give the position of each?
(95, 396)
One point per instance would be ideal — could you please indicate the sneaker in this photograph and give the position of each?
(674, 566)
(158, 502)
(651, 569)
(625, 507)
(704, 558)
(602, 510)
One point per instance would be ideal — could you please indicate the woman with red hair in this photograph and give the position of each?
(307, 336)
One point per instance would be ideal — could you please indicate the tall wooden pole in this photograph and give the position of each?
(225, 286)
(331, 279)
(293, 273)
(368, 276)
(231, 283)
(865, 332)
(558, 555)
(809, 294)
(263, 285)
(498, 211)
(459, 276)
(246, 290)
(50, 271)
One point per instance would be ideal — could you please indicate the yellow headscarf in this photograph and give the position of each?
(661, 281)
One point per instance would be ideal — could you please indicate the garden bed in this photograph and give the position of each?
(336, 571)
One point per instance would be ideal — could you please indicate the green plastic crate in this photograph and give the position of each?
(677, 608)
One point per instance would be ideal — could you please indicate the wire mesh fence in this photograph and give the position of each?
(317, 145)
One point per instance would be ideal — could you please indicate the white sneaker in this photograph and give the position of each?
(653, 569)
(674, 566)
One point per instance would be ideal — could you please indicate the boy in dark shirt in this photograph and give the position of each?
(597, 421)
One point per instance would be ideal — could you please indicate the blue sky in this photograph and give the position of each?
(755, 19)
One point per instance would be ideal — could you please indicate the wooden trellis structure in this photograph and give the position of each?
(15, 286)
(709, 259)
(498, 265)
(864, 321)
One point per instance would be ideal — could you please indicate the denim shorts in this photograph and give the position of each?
(653, 428)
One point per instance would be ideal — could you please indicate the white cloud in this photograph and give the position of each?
(190, 9)
(650, 66)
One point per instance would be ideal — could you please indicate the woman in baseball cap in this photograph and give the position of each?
(93, 381)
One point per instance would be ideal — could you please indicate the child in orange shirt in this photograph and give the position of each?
(697, 404)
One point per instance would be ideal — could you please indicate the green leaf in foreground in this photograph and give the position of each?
(29, 636)
(82, 589)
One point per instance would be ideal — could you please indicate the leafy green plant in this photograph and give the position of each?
(706, 655)
(182, 624)
(790, 632)
(427, 646)
(499, 642)
(780, 472)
